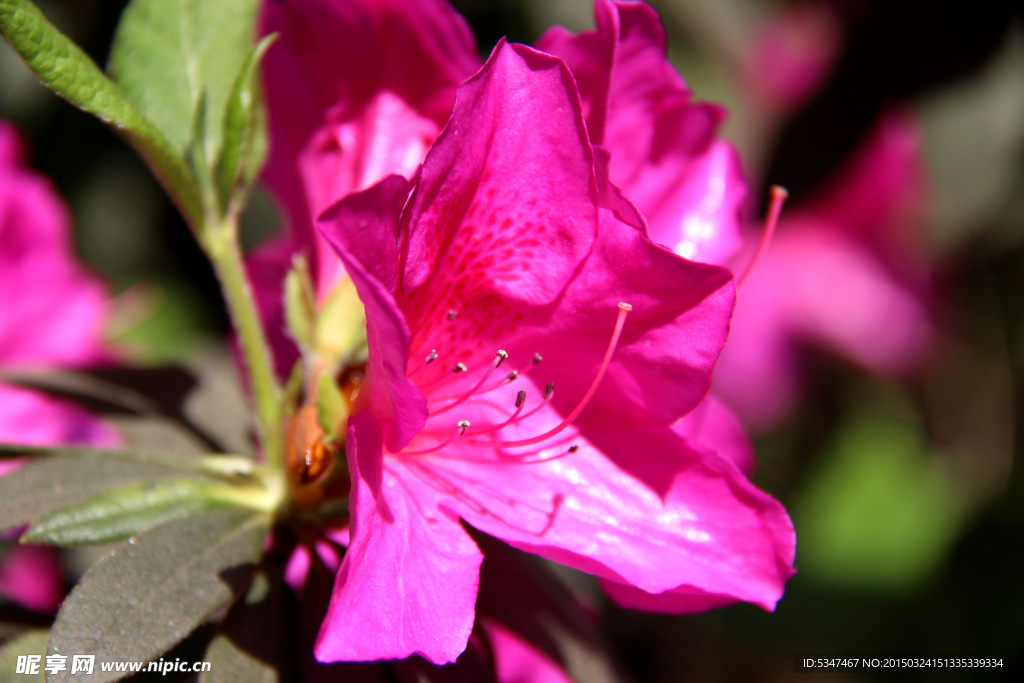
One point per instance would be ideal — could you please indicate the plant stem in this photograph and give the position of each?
(221, 246)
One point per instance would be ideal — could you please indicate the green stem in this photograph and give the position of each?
(221, 245)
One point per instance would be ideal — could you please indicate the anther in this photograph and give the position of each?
(520, 397)
(452, 314)
(459, 367)
(548, 390)
(500, 358)
(431, 357)
(537, 358)
(573, 448)
(511, 376)
(460, 429)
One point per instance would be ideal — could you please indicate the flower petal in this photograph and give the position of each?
(409, 580)
(683, 600)
(505, 209)
(365, 222)
(665, 153)
(634, 505)
(32, 418)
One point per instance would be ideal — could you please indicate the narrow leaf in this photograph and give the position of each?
(168, 53)
(245, 133)
(123, 512)
(69, 72)
(300, 303)
(45, 485)
(154, 590)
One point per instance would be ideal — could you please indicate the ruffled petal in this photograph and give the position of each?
(634, 505)
(409, 580)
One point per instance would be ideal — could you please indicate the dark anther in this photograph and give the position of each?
(573, 448)
(520, 397)
(459, 367)
(537, 358)
(432, 356)
(452, 315)
(512, 375)
(548, 390)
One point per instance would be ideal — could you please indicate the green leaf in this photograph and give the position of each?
(245, 130)
(154, 590)
(69, 72)
(29, 643)
(168, 54)
(331, 407)
(253, 642)
(300, 303)
(123, 512)
(45, 485)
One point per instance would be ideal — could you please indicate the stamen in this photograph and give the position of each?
(624, 310)
(520, 399)
(452, 314)
(460, 429)
(573, 448)
(459, 367)
(495, 364)
(778, 198)
(548, 390)
(511, 376)
(537, 358)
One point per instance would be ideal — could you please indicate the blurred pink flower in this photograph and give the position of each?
(846, 271)
(51, 315)
(791, 54)
(512, 238)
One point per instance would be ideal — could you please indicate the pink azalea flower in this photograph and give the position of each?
(845, 271)
(51, 315)
(511, 242)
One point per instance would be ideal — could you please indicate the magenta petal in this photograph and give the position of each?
(32, 576)
(665, 153)
(43, 289)
(31, 418)
(714, 426)
(610, 509)
(683, 600)
(518, 661)
(366, 223)
(505, 206)
(409, 580)
(671, 340)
